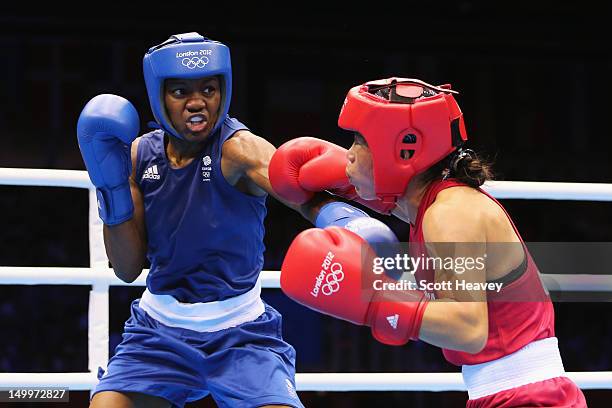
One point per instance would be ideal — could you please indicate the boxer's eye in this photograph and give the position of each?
(209, 90)
(178, 92)
(359, 139)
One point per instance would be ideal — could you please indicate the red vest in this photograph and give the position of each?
(528, 314)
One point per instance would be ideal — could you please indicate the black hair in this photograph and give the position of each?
(463, 165)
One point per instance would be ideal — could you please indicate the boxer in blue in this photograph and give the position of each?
(190, 197)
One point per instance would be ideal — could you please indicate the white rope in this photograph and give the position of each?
(100, 277)
(44, 177)
(500, 189)
(316, 381)
(578, 283)
(13, 275)
(72, 381)
(537, 190)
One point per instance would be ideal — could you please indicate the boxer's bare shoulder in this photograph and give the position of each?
(245, 160)
(134, 156)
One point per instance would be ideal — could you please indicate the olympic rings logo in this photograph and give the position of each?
(333, 279)
(195, 62)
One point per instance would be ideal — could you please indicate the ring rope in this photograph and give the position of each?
(101, 278)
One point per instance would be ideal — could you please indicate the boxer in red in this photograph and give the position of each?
(409, 157)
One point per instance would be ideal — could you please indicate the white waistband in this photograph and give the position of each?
(537, 361)
(204, 317)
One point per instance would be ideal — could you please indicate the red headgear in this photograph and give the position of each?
(409, 126)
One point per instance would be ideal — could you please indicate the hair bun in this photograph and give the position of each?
(461, 154)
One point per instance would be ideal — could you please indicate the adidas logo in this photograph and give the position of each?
(151, 173)
(393, 320)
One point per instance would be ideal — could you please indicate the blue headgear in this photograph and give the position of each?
(186, 56)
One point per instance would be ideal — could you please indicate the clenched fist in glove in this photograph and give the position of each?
(323, 270)
(106, 129)
(306, 165)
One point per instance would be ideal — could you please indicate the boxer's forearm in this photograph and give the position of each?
(311, 208)
(455, 325)
(125, 249)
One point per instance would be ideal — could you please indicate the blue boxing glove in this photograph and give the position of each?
(376, 233)
(355, 220)
(106, 129)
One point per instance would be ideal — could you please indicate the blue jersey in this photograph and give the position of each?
(205, 238)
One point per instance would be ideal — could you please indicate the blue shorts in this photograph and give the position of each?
(249, 365)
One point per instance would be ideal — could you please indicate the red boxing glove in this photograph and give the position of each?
(306, 165)
(322, 270)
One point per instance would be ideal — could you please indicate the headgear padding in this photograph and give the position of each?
(409, 126)
(186, 56)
